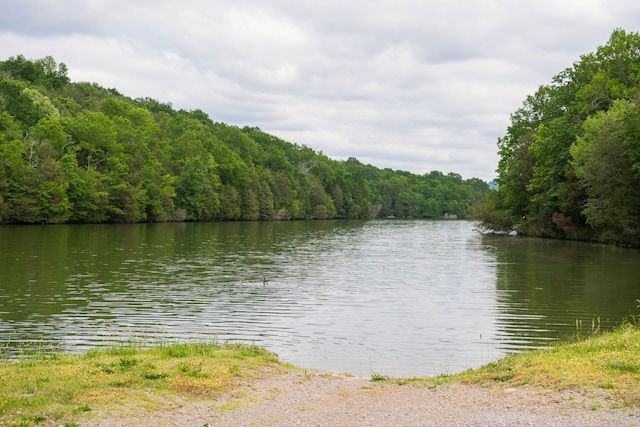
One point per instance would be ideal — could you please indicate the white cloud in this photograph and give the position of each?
(408, 84)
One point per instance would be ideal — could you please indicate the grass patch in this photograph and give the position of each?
(376, 376)
(610, 361)
(63, 389)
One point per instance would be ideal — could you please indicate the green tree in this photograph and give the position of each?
(18, 191)
(261, 180)
(543, 180)
(55, 206)
(87, 194)
(230, 203)
(603, 166)
(249, 206)
(196, 188)
(43, 71)
(95, 138)
(26, 104)
(78, 152)
(238, 141)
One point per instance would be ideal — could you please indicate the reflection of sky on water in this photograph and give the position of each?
(396, 297)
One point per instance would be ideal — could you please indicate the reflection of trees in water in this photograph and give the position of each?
(552, 288)
(56, 278)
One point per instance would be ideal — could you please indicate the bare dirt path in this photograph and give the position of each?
(315, 398)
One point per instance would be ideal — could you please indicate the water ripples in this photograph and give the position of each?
(397, 297)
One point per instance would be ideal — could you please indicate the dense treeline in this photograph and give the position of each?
(77, 152)
(570, 160)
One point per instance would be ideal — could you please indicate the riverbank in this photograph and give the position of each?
(591, 382)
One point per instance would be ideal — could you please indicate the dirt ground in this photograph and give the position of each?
(317, 398)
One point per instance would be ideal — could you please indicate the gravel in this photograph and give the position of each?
(317, 398)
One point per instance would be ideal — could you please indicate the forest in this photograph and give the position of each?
(570, 160)
(80, 153)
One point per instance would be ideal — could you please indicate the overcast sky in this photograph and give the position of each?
(402, 84)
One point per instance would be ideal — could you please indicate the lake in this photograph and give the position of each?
(394, 297)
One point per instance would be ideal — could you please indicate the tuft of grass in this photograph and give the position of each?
(376, 376)
(192, 371)
(66, 389)
(155, 375)
(127, 363)
(81, 409)
(308, 375)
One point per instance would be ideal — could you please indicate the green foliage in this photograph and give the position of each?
(77, 152)
(44, 72)
(569, 165)
(376, 376)
(602, 164)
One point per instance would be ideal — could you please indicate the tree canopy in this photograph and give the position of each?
(570, 160)
(80, 153)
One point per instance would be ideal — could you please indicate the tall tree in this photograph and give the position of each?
(603, 165)
(548, 169)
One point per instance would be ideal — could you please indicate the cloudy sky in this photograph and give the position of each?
(416, 85)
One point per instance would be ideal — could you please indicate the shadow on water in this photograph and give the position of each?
(553, 289)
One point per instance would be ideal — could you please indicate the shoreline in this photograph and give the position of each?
(591, 382)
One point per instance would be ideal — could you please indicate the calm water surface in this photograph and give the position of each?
(392, 297)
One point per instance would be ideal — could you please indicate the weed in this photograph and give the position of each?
(37, 419)
(308, 374)
(624, 366)
(595, 328)
(177, 351)
(376, 376)
(504, 377)
(154, 375)
(117, 384)
(81, 409)
(190, 370)
(127, 363)
(108, 369)
(249, 350)
(594, 406)
(581, 334)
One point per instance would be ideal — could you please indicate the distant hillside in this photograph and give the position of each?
(80, 153)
